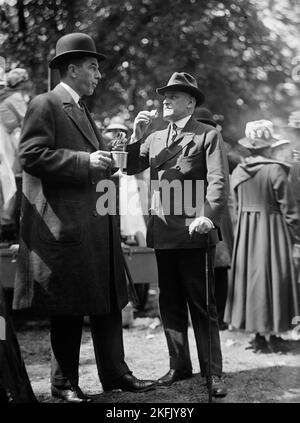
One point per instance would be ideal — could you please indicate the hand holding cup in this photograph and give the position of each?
(100, 160)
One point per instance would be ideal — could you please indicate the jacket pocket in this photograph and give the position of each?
(61, 223)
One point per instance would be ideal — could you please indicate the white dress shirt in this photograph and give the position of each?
(181, 123)
(74, 95)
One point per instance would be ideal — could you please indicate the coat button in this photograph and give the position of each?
(178, 168)
(95, 213)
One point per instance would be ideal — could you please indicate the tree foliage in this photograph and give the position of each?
(239, 61)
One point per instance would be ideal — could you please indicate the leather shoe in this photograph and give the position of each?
(174, 375)
(218, 387)
(74, 394)
(130, 383)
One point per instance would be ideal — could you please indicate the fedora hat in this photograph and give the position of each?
(259, 134)
(74, 44)
(182, 81)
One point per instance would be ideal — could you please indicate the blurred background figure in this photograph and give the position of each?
(281, 150)
(15, 386)
(224, 247)
(132, 208)
(293, 131)
(14, 99)
(262, 295)
(115, 126)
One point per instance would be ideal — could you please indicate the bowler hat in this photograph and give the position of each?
(74, 44)
(205, 115)
(182, 81)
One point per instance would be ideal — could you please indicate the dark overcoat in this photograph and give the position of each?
(69, 254)
(195, 168)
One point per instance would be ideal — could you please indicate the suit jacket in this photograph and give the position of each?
(196, 165)
(68, 252)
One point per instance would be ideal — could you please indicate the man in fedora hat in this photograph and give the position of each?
(187, 154)
(70, 262)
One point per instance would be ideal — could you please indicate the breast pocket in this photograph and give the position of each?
(62, 223)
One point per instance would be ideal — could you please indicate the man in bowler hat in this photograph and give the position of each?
(185, 153)
(70, 258)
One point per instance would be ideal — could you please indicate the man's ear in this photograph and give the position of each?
(72, 70)
(192, 103)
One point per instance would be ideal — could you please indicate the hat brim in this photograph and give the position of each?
(59, 59)
(194, 92)
(246, 142)
(207, 121)
(113, 127)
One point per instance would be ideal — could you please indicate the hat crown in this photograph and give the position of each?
(182, 78)
(259, 134)
(205, 114)
(75, 42)
(183, 81)
(15, 76)
(260, 130)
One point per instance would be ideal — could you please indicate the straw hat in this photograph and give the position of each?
(259, 134)
(15, 76)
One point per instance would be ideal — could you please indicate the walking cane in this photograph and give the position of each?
(208, 269)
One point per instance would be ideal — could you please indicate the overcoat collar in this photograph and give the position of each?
(78, 118)
(250, 166)
(184, 138)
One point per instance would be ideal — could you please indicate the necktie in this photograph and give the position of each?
(173, 133)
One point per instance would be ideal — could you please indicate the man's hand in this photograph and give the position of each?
(100, 160)
(141, 123)
(201, 224)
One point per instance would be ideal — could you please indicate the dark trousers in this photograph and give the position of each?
(181, 275)
(107, 338)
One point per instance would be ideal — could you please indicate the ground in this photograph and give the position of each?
(251, 378)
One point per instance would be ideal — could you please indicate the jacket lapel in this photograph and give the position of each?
(186, 136)
(78, 117)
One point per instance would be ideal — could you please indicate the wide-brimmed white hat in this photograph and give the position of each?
(259, 134)
(280, 143)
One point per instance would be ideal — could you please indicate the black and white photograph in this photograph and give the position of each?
(149, 205)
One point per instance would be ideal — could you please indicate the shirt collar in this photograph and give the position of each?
(182, 122)
(70, 90)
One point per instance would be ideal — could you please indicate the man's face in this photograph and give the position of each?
(177, 105)
(86, 76)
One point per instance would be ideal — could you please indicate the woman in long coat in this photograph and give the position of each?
(15, 386)
(262, 296)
